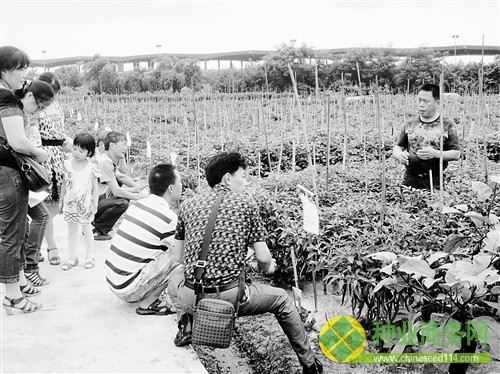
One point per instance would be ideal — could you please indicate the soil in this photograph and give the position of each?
(260, 346)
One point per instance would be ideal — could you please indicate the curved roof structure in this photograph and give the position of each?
(461, 50)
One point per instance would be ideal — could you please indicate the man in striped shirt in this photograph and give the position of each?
(140, 260)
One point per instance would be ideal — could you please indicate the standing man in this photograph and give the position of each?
(113, 198)
(237, 227)
(418, 145)
(141, 259)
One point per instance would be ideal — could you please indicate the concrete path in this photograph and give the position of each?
(84, 328)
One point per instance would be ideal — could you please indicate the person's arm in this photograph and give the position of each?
(118, 191)
(129, 183)
(400, 151)
(122, 166)
(427, 153)
(95, 195)
(264, 258)
(14, 131)
(61, 195)
(178, 251)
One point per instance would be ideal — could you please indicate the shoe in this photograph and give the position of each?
(100, 236)
(53, 255)
(28, 290)
(41, 258)
(157, 308)
(316, 368)
(22, 304)
(69, 264)
(183, 336)
(36, 280)
(89, 263)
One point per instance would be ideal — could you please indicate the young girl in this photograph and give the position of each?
(79, 198)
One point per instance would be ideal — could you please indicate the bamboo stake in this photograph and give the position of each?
(441, 111)
(381, 151)
(328, 143)
(481, 104)
(312, 166)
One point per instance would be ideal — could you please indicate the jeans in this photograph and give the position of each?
(36, 231)
(262, 299)
(13, 218)
(109, 210)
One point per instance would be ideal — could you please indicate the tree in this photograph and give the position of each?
(69, 76)
(108, 79)
(422, 65)
(93, 69)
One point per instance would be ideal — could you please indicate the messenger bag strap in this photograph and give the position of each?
(201, 263)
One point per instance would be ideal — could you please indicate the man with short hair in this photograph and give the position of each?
(418, 145)
(113, 198)
(237, 227)
(140, 260)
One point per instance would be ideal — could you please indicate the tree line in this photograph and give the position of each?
(357, 69)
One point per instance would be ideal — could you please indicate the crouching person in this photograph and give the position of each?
(140, 260)
(238, 226)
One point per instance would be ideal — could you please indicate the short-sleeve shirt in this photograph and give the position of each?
(238, 226)
(417, 134)
(108, 173)
(6, 158)
(145, 233)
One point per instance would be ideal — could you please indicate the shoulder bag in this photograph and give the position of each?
(35, 176)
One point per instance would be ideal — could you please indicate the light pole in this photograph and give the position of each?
(44, 52)
(455, 37)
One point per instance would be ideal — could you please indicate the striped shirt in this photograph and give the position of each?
(146, 231)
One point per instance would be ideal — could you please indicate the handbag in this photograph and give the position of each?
(213, 319)
(35, 176)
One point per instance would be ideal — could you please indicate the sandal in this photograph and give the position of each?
(54, 258)
(28, 290)
(22, 304)
(89, 262)
(157, 308)
(69, 264)
(41, 258)
(36, 280)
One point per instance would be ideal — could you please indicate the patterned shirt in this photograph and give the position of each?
(238, 226)
(417, 134)
(147, 226)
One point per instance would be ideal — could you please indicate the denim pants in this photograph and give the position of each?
(40, 216)
(262, 299)
(109, 210)
(13, 218)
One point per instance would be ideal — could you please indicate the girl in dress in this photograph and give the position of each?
(79, 198)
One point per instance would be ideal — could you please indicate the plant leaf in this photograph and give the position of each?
(428, 282)
(492, 240)
(386, 257)
(419, 268)
(384, 282)
(483, 190)
(495, 178)
(477, 218)
(447, 209)
(493, 339)
(456, 241)
(435, 256)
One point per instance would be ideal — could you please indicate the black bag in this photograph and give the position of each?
(213, 323)
(35, 176)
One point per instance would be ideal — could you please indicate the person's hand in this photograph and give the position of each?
(272, 267)
(66, 146)
(41, 155)
(403, 157)
(427, 153)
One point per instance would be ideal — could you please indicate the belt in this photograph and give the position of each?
(52, 142)
(225, 287)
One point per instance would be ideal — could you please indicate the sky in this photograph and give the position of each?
(68, 28)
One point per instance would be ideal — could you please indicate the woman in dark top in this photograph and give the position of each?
(13, 192)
